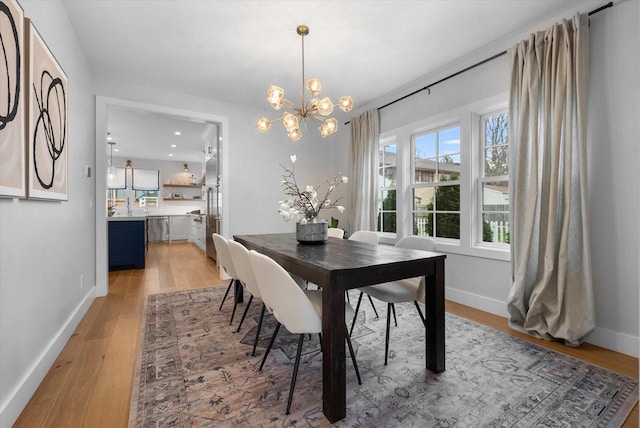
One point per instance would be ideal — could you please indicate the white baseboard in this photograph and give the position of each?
(619, 342)
(476, 301)
(609, 339)
(18, 398)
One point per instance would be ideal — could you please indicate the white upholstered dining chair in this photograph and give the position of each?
(244, 269)
(299, 310)
(224, 260)
(404, 290)
(335, 232)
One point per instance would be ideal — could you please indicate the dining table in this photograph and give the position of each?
(338, 265)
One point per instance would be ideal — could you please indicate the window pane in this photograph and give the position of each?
(390, 154)
(387, 200)
(389, 222)
(496, 145)
(448, 198)
(146, 199)
(495, 129)
(495, 196)
(449, 141)
(495, 227)
(496, 161)
(449, 167)
(389, 177)
(423, 224)
(448, 225)
(424, 158)
(423, 198)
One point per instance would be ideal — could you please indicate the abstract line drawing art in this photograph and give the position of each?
(47, 138)
(12, 103)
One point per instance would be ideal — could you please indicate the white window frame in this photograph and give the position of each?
(436, 182)
(381, 189)
(482, 179)
(467, 117)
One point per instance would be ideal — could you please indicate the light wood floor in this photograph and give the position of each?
(90, 383)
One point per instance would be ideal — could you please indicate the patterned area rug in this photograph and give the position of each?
(194, 371)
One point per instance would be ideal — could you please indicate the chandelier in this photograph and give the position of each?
(315, 109)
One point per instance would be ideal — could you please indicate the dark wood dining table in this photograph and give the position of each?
(339, 265)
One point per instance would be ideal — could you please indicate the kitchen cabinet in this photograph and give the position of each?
(197, 232)
(127, 244)
(179, 227)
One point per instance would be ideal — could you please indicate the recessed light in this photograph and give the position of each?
(173, 145)
(178, 133)
(170, 154)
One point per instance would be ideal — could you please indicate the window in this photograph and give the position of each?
(387, 170)
(494, 179)
(146, 198)
(436, 183)
(450, 177)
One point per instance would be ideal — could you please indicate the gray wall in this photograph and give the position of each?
(47, 247)
(613, 131)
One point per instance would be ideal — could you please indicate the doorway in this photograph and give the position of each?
(103, 104)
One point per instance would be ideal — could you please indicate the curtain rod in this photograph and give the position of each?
(428, 87)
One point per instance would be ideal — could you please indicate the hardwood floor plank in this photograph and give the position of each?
(90, 382)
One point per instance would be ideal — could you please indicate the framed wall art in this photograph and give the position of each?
(47, 138)
(12, 101)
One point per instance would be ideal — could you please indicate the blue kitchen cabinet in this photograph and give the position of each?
(126, 244)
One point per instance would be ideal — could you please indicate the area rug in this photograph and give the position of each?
(195, 371)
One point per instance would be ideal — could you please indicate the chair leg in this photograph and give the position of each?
(353, 323)
(273, 339)
(373, 306)
(386, 341)
(393, 308)
(353, 356)
(244, 314)
(226, 293)
(424, 321)
(235, 305)
(255, 342)
(295, 372)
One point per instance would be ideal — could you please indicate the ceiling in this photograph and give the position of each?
(232, 50)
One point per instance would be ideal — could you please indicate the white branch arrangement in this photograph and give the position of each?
(304, 206)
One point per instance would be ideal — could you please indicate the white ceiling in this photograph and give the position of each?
(232, 50)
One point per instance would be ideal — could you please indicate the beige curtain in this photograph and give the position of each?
(551, 295)
(363, 171)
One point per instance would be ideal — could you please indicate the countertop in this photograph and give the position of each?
(127, 218)
(139, 216)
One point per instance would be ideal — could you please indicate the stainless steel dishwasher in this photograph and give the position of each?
(158, 229)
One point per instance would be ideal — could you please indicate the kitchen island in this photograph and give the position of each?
(127, 242)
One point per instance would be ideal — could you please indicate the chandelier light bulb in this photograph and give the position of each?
(275, 97)
(345, 103)
(328, 127)
(295, 135)
(314, 86)
(263, 124)
(290, 121)
(325, 106)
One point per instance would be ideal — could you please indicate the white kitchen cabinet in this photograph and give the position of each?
(180, 227)
(197, 235)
